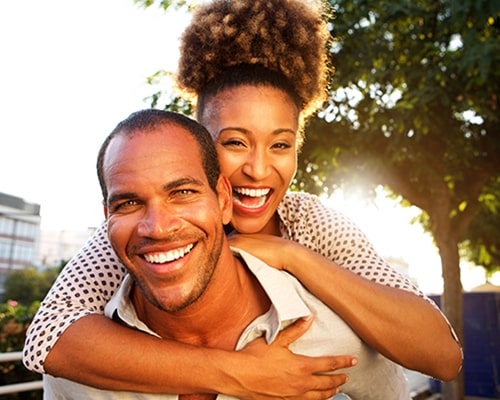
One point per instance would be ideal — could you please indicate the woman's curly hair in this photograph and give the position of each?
(286, 37)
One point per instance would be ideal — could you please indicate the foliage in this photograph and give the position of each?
(482, 241)
(407, 76)
(166, 97)
(414, 107)
(14, 320)
(29, 285)
(164, 4)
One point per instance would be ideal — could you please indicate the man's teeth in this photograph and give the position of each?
(252, 192)
(168, 256)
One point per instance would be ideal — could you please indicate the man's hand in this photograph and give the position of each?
(274, 372)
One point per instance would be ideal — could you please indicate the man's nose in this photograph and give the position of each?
(159, 221)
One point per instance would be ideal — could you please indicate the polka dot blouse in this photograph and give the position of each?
(92, 276)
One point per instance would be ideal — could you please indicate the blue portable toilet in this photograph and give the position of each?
(481, 344)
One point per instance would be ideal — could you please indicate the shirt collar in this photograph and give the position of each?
(120, 307)
(286, 303)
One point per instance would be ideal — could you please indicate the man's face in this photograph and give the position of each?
(164, 221)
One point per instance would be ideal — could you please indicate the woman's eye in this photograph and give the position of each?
(232, 142)
(281, 145)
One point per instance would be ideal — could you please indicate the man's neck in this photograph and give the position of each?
(233, 299)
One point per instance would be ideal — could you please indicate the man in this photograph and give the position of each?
(166, 205)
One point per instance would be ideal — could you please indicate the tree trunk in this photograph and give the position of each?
(451, 301)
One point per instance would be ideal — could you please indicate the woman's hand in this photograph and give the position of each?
(274, 372)
(273, 250)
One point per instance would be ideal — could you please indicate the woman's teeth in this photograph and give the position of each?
(252, 192)
(250, 198)
(160, 258)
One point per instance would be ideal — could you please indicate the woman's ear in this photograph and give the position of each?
(225, 197)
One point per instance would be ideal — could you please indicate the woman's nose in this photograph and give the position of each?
(256, 165)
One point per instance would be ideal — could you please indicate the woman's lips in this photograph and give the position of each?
(250, 198)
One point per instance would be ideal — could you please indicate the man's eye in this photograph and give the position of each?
(124, 205)
(184, 192)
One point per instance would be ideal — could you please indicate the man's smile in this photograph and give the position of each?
(168, 256)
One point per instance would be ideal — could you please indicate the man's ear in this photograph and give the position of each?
(225, 198)
(105, 209)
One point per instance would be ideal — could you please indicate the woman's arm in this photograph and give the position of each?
(84, 286)
(70, 338)
(400, 325)
(97, 350)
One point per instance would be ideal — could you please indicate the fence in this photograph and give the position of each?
(17, 387)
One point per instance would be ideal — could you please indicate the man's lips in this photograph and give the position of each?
(250, 198)
(168, 256)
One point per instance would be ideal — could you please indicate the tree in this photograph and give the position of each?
(482, 239)
(413, 107)
(28, 285)
(165, 4)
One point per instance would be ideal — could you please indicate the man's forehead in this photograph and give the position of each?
(165, 138)
(173, 152)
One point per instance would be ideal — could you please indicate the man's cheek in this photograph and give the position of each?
(119, 233)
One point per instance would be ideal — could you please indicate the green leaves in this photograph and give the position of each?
(165, 4)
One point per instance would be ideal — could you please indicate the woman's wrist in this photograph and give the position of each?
(295, 258)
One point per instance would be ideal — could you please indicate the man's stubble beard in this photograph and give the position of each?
(199, 289)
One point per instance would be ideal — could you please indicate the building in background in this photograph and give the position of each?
(19, 234)
(57, 247)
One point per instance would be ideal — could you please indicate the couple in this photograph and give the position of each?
(166, 204)
(254, 101)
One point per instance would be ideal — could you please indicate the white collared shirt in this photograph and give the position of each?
(374, 377)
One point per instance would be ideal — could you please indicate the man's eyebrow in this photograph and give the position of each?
(181, 182)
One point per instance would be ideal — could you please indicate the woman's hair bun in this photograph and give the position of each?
(286, 36)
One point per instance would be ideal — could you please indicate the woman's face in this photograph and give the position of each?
(255, 130)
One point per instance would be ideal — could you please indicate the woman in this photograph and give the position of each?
(257, 70)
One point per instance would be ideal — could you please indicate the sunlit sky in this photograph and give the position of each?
(389, 227)
(71, 70)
